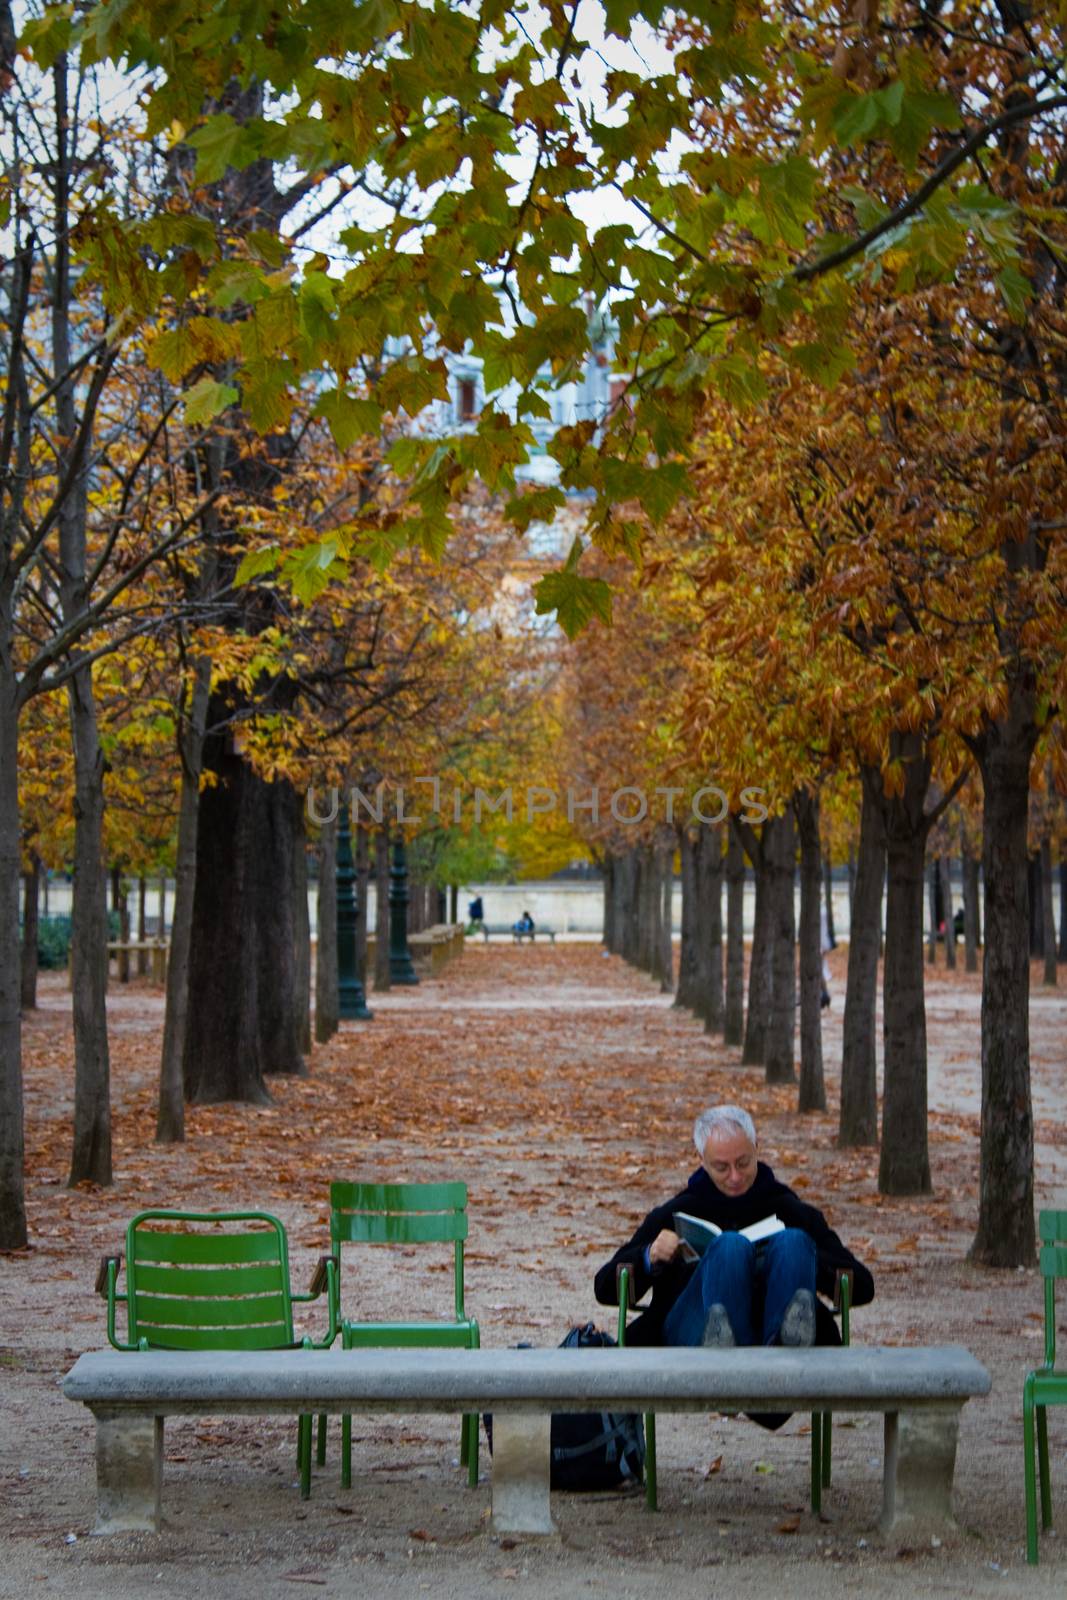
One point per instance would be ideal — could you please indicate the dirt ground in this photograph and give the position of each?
(561, 1086)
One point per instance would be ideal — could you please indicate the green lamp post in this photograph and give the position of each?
(401, 968)
(351, 1000)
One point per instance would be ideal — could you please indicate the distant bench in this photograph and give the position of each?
(120, 950)
(505, 930)
(920, 1390)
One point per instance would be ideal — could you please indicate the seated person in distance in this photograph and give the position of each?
(738, 1293)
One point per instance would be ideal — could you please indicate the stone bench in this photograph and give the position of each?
(504, 930)
(920, 1391)
(121, 950)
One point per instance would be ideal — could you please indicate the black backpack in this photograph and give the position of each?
(591, 1449)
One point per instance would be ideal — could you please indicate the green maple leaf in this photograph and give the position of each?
(206, 399)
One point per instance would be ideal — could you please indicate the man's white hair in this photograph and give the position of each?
(722, 1119)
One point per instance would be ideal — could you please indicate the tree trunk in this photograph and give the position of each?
(607, 932)
(283, 980)
(686, 994)
(970, 905)
(828, 897)
(858, 1123)
(242, 970)
(632, 906)
(12, 1191)
(301, 938)
(362, 866)
(120, 908)
(1037, 929)
(326, 997)
(759, 973)
(932, 899)
(1063, 910)
(142, 919)
(1005, 1236)
(948, 911)
(1047, 917)
(905, 1164)
(648, 931)
(734, 1015)
(812, 1094)
(709, 926)
(779, 1043)
(381, 909)
(851, 880)
(91, 1153)
(31, 881)
(170, 1120)
(666, 943)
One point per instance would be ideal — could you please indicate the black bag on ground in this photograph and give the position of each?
(591, 1449)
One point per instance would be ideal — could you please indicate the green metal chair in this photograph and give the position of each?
(214, 1280)
(403, 1214)
(821, 1421)
(1045, 1386)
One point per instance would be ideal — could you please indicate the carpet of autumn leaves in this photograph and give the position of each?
(557, 1082)
(561, 1086)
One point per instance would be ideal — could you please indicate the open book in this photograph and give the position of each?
(696, 1234)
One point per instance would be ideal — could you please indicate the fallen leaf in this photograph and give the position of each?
(713, 1467)
(790, 1525)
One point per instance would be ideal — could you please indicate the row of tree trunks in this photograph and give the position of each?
(638, 906)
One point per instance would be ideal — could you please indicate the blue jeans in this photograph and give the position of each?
(754, 1283)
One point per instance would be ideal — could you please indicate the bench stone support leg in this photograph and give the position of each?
(521, 1473)
(129, 1473)
(920, 1460)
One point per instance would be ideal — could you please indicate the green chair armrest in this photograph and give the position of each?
(325, 1277)
(107, 1284)
(105, 1278)
(843, 1302)
(625, 1286)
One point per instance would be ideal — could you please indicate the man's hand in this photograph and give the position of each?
(664, 1248)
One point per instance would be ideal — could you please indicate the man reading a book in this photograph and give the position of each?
(736, 1257)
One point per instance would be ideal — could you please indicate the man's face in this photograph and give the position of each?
(730, 1161)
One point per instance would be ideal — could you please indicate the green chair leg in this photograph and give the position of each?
(1042, 1463)
(472, 1450)
(816, 1461)
(346, 1452)
(305, 1457)
(827, 1447)
(320, 1448)
(464, 1433)
(1028, 1473)
(651, 1486)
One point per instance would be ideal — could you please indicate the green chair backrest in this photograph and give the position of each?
(1052, 1231)
(208, 1280)
(401, 1213)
